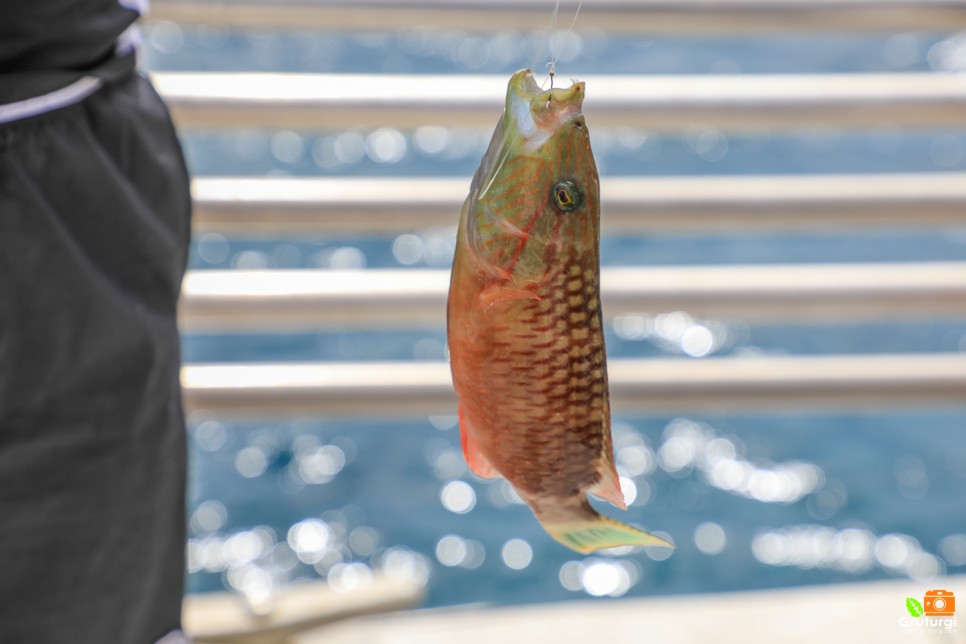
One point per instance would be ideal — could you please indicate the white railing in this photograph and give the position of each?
(752, 102)
(256, 206)
(290, 300)
(399, 389)
(311, 299)
(615, 16)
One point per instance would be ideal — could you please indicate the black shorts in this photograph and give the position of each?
(94, 229)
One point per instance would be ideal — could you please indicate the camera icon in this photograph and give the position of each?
(939, 602)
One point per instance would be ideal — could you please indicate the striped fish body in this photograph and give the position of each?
(524, 319)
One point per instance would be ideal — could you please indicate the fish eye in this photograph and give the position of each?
(566, 196)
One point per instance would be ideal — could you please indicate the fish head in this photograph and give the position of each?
(534, 205)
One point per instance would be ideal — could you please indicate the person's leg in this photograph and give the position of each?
(94, 228)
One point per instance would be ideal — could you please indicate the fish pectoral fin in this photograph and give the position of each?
(495, 294)
(586, 531)
(477, 461)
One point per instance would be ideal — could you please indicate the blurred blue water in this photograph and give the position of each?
(586, 51)
(882, 481)
(752, 501)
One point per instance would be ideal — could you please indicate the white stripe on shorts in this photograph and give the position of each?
(73, 93)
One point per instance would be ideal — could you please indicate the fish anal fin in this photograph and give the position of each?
(609, 487)
(476, 460)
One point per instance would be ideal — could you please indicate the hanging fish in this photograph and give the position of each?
(524, 321)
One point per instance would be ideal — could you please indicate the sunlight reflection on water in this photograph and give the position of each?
(257, 520)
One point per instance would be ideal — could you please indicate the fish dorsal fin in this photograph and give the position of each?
(477, 461)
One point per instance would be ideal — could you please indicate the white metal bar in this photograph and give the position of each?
(256, 206)
(643, 386)
(845, 608)
(233, 618)
(749, 102)
(616, 16)
(287, 300)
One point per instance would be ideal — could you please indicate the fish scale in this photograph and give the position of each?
(524, 320)
(562, 410)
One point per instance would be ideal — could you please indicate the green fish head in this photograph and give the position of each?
(534, 203)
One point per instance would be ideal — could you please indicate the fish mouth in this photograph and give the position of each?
(524, 87)
(536, 112)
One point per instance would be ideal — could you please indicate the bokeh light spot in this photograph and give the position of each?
(517, 554)
(458, 497)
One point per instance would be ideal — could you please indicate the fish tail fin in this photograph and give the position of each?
(589, 531)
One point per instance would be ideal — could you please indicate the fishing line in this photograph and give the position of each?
(499, 166)
(550, 41)
(552, 65)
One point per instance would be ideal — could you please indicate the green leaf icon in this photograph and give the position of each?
(914, 607)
